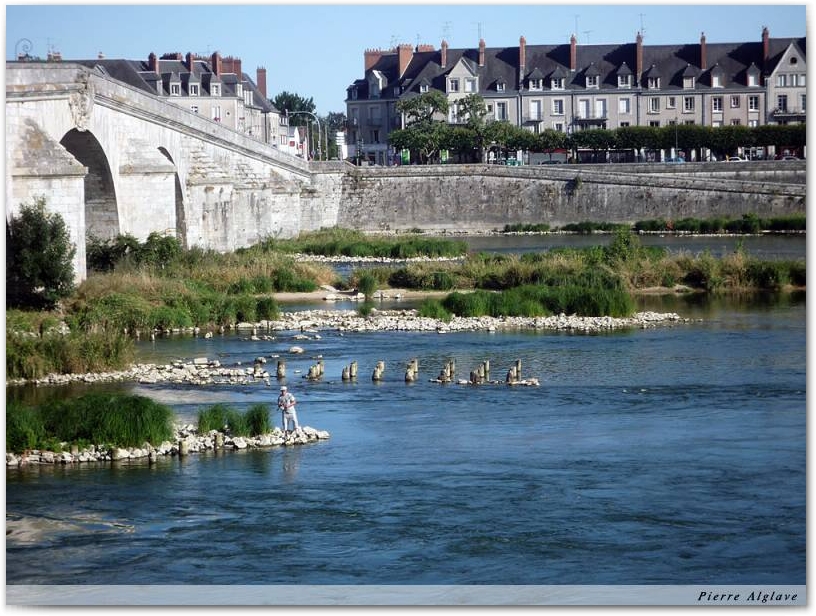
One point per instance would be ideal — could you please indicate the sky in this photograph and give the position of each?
(315, 49)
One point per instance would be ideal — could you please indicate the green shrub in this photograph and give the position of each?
(768, 274)
(267, 309)
(367, 284)
(246, 309)
(169, 317)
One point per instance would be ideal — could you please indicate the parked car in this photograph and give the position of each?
(790, 158)
(676, 159)
(736, 159)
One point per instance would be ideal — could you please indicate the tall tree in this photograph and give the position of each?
(422, 109)
(288, 101)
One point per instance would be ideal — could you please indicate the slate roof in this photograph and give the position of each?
(137, 73)
(670, 62)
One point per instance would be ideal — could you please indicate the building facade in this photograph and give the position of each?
(213, 87)
(574, 87)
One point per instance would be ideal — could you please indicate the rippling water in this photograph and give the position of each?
(661, 456)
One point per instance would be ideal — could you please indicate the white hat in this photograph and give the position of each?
(283, 387)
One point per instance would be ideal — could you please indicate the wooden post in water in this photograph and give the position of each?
(281, 368)
(353, 370)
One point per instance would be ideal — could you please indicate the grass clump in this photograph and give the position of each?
(224, 418)
(99, 418)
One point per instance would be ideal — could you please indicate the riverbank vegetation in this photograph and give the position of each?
(746, 224)
(136, 288)
(116, 420)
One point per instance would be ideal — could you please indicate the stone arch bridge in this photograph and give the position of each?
(112, 159)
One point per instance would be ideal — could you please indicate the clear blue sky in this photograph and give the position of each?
(316, 49)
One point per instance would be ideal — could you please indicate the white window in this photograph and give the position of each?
(716, 81)
(753, 103)
(239, 89)
(592, 81)
(215, 110)
(717, 104)
(624, 106)
(671, 103)
(453, 85)
(536, 84)
(653, 83)
(688, 103)
(193, 89)
(654, 105)
(624, 81)
(194, 108)
(781, 81)
(558, 106)
(501, 111)
(753, 79)
(557, 83)
(688, 83)
(423, 88)
(753, 123)
(802, 80)
(583, 108)
(175, 89)
(600, 108)
(782, 102)
(282, 139)
(559, 126)
(248, 98)
(535, 110)
(735, 101)
(470, 85)
(500, 86)
(215, 89)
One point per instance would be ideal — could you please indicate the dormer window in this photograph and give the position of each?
(557, 83)
(453, 85)
(396, 91)
(215, 89)
(423, 88)
(536, 84)
(716, 81)
(653, 83)
(688, 83)
(499, 86)
(193, 89)
(239, 89)
(470, 85)
(175, 89)
(354, 94)
(592, 81)
(624, 81)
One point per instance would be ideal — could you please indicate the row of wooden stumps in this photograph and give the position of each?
(478, 376)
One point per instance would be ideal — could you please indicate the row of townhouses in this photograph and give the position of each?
(213, 86)
(573, 87)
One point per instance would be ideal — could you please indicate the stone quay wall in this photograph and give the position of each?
(478, 198)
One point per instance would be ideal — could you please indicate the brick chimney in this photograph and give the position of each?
(481, 52)
(444, 60)
(522, 57)
(189, 62)
(153, 63)
(404, 54)
(232, 65)
(573, 53)
(766, 47)
(371, 56)
(703, 60)
(638, 57)
(261, 80)
(215, 61)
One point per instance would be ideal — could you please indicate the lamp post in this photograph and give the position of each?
(316, 119)
(675, 137)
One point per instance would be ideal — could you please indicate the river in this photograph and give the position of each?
(672, 456)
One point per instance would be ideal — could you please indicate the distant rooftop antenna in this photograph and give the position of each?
(576, 24)
(642, 27)
(446, 28)
(479, 29)
(586, 33)
(393, 41)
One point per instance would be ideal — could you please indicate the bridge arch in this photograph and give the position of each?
(181, 218)
(101, 211)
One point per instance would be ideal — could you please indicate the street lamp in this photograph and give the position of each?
(316, 119)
